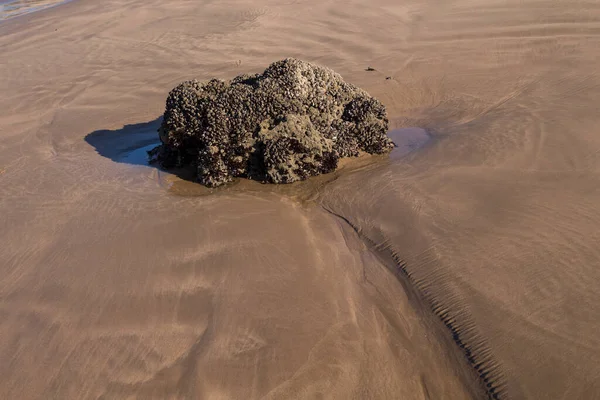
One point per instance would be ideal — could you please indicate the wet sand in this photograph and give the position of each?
(16, 8)
(466, 269)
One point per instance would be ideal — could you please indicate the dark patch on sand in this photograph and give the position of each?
(407, 140)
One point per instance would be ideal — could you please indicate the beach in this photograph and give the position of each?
(465, 265)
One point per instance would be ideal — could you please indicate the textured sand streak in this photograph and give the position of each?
(444, 305)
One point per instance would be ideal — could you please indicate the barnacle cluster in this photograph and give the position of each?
(293, 121)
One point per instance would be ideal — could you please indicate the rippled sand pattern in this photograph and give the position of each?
(467, 269)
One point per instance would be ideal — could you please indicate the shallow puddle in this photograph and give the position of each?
(138, 156)
(407, 140)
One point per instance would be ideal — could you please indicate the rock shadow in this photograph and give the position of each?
(130, 145)
(127, 145)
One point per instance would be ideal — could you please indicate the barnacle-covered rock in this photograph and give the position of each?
(294, 150)
(293, 121)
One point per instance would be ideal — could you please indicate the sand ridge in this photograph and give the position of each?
(122, 281)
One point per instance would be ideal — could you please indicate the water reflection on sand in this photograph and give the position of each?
(15, 8)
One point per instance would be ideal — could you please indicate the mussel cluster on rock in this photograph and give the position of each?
(293, 121)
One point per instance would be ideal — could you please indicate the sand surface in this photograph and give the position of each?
(466, 269)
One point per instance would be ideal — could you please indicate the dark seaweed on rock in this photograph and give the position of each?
(293, 121)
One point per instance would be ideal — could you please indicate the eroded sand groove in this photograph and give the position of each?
(464, 332)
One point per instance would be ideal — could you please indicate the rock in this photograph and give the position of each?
(293, 121)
